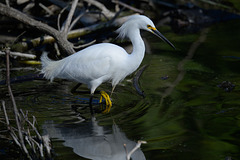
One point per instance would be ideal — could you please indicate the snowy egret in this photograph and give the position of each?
(104, 62)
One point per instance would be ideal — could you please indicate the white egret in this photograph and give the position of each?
(104, 62)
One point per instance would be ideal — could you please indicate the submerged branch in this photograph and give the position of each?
(99, 5)
(136, 80)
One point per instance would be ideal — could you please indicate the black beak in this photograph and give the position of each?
(157, 33)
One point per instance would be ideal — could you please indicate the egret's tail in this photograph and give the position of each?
(50, 68)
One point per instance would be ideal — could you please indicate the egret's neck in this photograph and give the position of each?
(138, 47)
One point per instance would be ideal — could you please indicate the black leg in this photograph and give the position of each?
(74, 90)
(90, 105)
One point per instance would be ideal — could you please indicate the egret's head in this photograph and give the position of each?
(148, 25)
(140, 22)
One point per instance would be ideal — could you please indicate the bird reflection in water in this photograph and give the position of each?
(89, 140)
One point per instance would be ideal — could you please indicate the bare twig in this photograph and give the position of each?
(14, 136)
(28, 7)
(18, 54)
(34, 128)
(47, 144)
(69, 18)
(10, 129)
(117, 6)
(59, 17)
(85, 45)
(57, 49)
(18, 37)
(7, 3)
(5, 113)
(7, 51)
(138, 145)
(75, 21)
(46, 9)
(44, 141)
(128, 6)
(99, 5)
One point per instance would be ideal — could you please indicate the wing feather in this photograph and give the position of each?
(85, 71)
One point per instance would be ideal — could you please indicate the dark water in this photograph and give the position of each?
(184, 116)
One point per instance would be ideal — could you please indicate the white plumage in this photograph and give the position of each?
(103, 62)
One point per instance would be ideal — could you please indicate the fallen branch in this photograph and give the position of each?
(64, 44)
(23, 46)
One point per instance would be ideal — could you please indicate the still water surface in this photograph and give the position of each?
(184, 116)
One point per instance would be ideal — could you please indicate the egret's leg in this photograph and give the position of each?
(108, 101)
(90, 104)
(112, 90)
(104, 95)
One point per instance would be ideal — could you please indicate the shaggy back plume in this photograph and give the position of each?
(124, 29)
(50, 68)
(135, 21)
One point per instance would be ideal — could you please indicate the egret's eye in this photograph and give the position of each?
(151, 28)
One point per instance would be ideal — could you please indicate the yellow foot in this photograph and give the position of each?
(108, 101)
